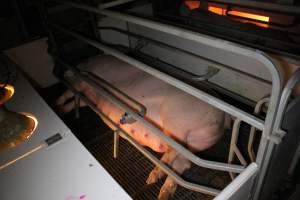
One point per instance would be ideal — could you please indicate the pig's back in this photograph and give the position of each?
(139, 85)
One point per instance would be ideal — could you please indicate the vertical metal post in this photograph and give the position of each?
(129, 39)
(116, 143)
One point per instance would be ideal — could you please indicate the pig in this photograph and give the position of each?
(188, 120)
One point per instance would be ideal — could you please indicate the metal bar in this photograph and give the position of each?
(178, 147)
(217, 43)
(142, 109)
(257, 110)
(114, 3)
(234, 150)
(146, 153)
(295, 160)
(252, 120)
(116, 143)
(183, 52)
(294, 79)
(177, 71)
(30, 152)
(264, 151)
(286, 93)
(226, 46)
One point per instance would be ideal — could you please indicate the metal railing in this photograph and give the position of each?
(145, 152)
(178, 147)
(265, 126)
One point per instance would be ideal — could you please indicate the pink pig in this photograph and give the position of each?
(188, 120)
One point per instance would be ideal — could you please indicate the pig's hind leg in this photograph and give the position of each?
(157, 173)
(179, 164)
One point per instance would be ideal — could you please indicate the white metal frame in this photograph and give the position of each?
(271, 133)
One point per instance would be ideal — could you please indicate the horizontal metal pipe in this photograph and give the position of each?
(113, 3)
(252, 120)
(239, 183)
(265, 150)
(260, 56)
(178, 147)
(142, 109)
(146, 153)
(30, 152)
(213, 63)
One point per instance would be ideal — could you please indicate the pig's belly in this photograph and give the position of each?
(151, 94)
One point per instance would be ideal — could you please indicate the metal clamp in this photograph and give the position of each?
(127, 119)
(277, 136)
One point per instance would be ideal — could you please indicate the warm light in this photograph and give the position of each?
(217, 10)
(10, 88)
(222, 11)
(249, 16)
(192, 4)
(35, 123)
(8, 92)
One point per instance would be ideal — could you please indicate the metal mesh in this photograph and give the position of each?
(131, 170)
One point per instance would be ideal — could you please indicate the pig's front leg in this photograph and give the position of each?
(178, 163)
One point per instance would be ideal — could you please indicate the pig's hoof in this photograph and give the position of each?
(167, 190)
(155, 175)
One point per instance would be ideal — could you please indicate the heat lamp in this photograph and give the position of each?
(15, 128)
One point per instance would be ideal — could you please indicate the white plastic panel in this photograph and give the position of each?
(65, 171)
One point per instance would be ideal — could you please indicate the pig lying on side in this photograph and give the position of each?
(188, 120)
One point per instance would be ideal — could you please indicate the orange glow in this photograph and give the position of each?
(34, 119)
(249, 16)
(264, 25)
(222, 11)
(192, 4)
(8, 93)
(217, 10)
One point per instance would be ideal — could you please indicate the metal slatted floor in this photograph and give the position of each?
(131, 170)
